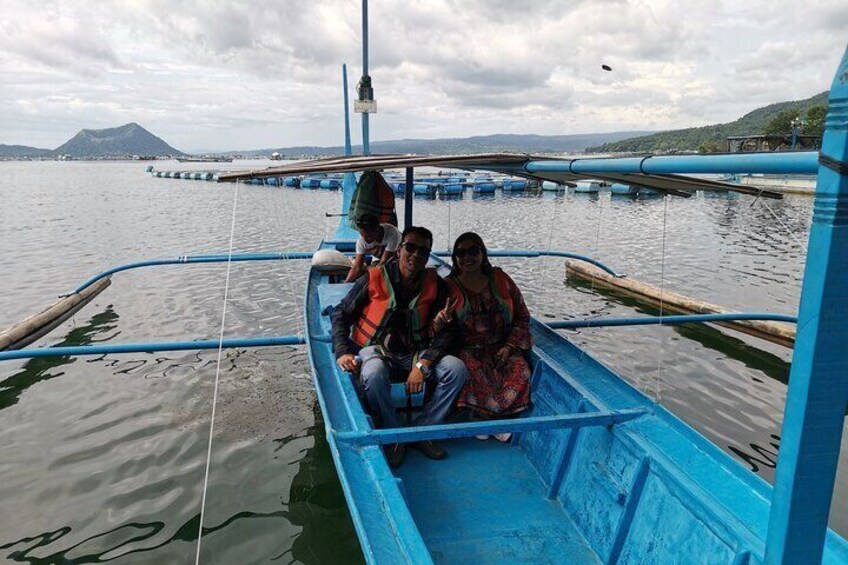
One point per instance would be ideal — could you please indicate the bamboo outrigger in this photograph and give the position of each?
(776, 332)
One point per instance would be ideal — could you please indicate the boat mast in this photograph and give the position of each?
(366, 92)
(349, 182)
(818, 380)
(347, 150)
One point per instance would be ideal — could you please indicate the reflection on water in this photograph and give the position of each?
(39, 369)
(102, 458)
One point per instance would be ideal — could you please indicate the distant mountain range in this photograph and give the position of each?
(132, 139)
(507, 143)
(116, 143)
(690, 139)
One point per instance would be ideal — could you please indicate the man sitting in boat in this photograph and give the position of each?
(391, 311)
(378, 240)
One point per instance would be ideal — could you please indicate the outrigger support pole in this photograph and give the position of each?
(151, 347)
(193, 259)
(818, 381)
(665, 320)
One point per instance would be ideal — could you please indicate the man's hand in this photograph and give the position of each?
(348, 362)
(415, 381)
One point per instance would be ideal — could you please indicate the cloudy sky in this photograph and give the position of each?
(208, 74)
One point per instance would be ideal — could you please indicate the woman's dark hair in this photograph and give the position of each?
(474, 239)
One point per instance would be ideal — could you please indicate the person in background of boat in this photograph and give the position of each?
(495, 326)
(391, 311)
(372, 195)
(378, 240)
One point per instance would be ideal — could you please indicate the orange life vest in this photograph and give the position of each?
(499, 283)
(376, 314)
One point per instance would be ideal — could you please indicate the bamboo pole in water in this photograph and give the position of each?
(776, 332)
(27, 331)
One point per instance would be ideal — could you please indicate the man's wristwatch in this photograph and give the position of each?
(425, 370)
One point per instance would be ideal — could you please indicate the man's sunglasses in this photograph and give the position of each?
(472, 251)
(421, 250)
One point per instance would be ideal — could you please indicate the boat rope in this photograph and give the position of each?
(217, 376)
(657, 380)
(278, 214)
(788, 230)
(595, 254)
(597, 236)
(557, 203)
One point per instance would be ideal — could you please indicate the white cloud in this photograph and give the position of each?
(266, 73)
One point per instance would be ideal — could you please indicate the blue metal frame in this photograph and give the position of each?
(366, 134)
(799, 163)
(194, 259)
(818, 387)
(151, 347)
(667, 320)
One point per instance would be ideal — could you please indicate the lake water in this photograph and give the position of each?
(103, 458)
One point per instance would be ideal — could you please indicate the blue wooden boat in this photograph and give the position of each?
(596, 472)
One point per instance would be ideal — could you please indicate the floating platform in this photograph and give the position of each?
(776, 332)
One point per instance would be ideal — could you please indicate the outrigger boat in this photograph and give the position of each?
(596, 472)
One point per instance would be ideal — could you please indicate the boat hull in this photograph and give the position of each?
(651, 490)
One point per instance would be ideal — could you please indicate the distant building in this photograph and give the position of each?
(765, 143)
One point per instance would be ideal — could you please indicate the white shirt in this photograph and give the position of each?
(391, 241)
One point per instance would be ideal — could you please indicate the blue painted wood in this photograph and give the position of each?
(626, 519)
(818, 387)
(565, 460)
(470, 429)
(794, 163)
(149, 347)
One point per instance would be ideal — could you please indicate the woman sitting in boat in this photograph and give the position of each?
(496, 331)
(378, 240)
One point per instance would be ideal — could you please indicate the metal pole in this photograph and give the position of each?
(366, 144)
(348, 150)
(151, 347)
(408, 197)
(800, 163)
(818, 387)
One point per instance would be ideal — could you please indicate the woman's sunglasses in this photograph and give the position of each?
(472, 251)
(420, 250)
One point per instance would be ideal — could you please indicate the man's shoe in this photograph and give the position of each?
(395, 454)
(431, 450)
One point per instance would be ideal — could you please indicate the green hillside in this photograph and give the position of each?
(690, 139)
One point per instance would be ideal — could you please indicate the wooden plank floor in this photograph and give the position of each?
(485, 503)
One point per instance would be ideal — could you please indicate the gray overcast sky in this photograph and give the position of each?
(206, 74)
